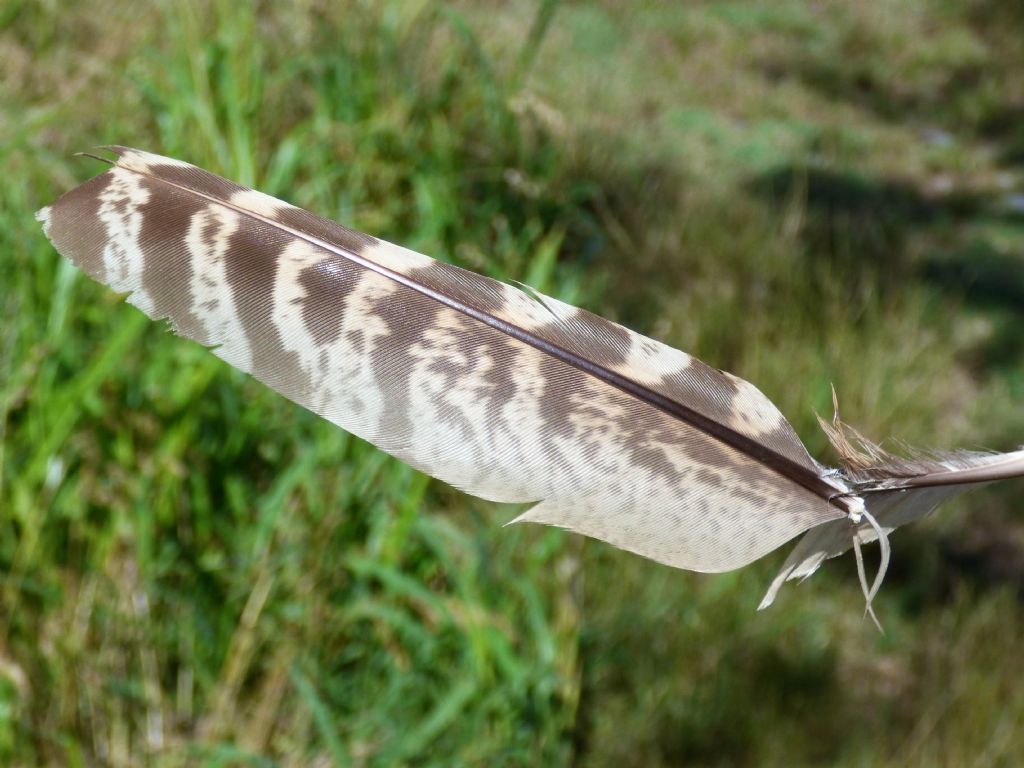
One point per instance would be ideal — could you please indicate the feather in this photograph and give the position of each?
(508, 395)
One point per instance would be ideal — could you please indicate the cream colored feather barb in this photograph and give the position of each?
(507, 396)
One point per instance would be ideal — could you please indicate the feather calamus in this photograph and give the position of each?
(508, 396)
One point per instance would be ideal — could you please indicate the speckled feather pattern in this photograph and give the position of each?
(295, 300)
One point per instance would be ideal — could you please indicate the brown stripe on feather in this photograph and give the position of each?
(593, 336)
(324, 229)
(167, 273)
(251, 269)
(326, 286)
(407, 322)
(80, 231)
(466, 287)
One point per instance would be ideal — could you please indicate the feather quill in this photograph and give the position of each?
(507, 395)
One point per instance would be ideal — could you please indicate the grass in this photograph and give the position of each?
(195, 572)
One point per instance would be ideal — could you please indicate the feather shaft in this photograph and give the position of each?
(1001, 467)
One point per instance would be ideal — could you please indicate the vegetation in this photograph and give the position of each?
(194, 571)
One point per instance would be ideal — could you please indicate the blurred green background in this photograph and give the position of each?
(194, 571)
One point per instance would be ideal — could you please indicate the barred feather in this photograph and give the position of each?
(508, 396)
